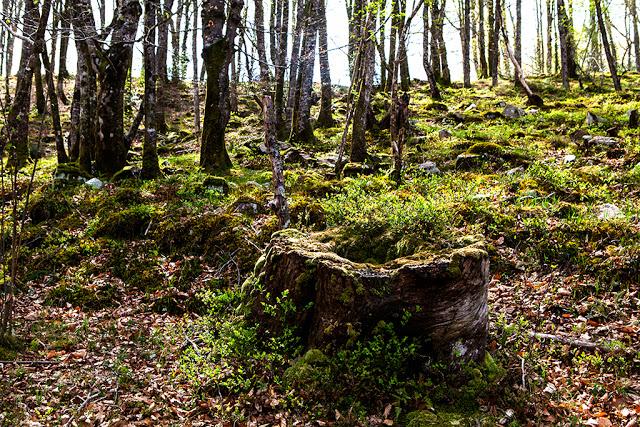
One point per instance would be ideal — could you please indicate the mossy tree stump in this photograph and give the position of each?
(330, 300)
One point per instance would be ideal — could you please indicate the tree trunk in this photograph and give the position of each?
(194, 56)
(55, 111)
(492, 47)
(260, 45)
(183, 48)
(550, 31)
(161, 55)
(465, 40)
(41, 102)
(217, 52)
(17, 124)
(380, 45)
(393, 38)
(336, 298)
(279, 203)
(150, 166)
(495, 43)
(442, 45)
(282, 39)
(533, 99)
(9, 45)
(426, 58)
(636, 34)
(484, 69)
(301, 129)
(518, 37)
(111, 150)
(607, 47)
(73, 140)
(294, 64)
(65, 32)
(175, 42)
(364, 69)
(325, 117)
(564, 43)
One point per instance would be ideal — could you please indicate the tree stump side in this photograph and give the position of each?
(330, 300)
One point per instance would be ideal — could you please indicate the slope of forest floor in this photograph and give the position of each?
(127, 311)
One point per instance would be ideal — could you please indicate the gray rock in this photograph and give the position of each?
(606, 141)
(247, 208)
(593, 119)
(444, 134)
(569, 158)
(609, 211)
(513, 112)
(515, 171)
(470, 107)
(95, 183)
(294, 155)
(429, 168)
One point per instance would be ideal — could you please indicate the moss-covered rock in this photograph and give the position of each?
(132, 223)
(216, 183)
(49, 205)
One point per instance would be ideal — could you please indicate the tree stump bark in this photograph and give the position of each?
(330, 301)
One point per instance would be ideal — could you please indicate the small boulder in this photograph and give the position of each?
(69, 173)
(429, 168)
(444, 134)
(95, 183)
(604, 141)
(513, 112)
(216, 183)
(471, 106)
(569, 158)
(294, 155)
(609, 211)
(355, 169)
(515, 171)
(247, 207)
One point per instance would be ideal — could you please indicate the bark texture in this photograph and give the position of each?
(150, 166)
(607, 47)
(16, 129)
(111, 150)
(325, 116)
(218, 52)
(337, 299)
(301, 128)
(279, 203)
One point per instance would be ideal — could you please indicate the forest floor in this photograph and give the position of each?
(126, 310)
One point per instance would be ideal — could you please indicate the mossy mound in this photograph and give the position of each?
(132, 223)
(93, 297)
(49, 205)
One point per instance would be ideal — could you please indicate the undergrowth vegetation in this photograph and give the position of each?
(558, 217)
